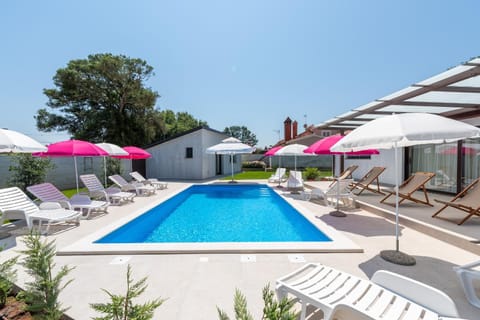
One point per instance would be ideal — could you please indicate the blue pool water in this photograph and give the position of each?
(219, 213)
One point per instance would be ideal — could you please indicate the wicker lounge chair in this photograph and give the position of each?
(468, 201)
(386, 296)
(369, 178)
(414, 183)
(16, 205)
(47, 192)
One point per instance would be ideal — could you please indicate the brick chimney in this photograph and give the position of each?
(294, 129)
(287, 126)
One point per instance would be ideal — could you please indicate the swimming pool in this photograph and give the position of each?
(219, 213)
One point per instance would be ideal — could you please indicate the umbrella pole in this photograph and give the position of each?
(231, 164)
(396, 256)
(76, 171)
(337, 213)
(280, 178)
(105, 169)
(397, 242)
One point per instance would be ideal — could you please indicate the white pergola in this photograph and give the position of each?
(454, 93)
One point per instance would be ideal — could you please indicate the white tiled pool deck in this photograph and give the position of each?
(195, 283)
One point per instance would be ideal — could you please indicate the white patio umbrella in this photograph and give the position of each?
(112, 150)
(403, 130)
(16, 142)
(293, 150)
(230, 146)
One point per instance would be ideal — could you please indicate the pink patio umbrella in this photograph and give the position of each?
(134, 153)
(72, 148)
(322, 147)
(465, 150)
(271, 152)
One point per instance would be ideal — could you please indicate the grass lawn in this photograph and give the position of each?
(70, 192)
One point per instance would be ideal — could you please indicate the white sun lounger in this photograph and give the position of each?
(468, 275)
(111, 194)
(47, 192)
(139, 188)
(16, 205)
(386, 296)
(150, 181)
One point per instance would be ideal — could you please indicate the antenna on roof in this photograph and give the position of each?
(305, 125)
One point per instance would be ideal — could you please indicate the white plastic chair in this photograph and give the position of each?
(339, 189)
(295, 180)
(467, 276)
(47, 192)
(16, 205)
(278, 176)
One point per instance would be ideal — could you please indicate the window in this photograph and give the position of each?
(87, 164)
(359, 157)
(189, 153)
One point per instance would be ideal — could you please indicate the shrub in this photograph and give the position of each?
(41, 294)
(311, 173)
(254, 165)
(28, 170)
(7, 278)
(272, 310)
(114, 166)
(122, 307)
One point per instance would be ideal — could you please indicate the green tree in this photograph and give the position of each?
(272, 310)
(42, 292)
(243, 134)
(103, 98)
(28, 170)
(122, 307)
(176, 123)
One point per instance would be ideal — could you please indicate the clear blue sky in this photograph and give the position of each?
(249, 63)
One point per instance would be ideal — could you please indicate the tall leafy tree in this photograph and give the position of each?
(243, 134)
(176, 123)
(103, 98)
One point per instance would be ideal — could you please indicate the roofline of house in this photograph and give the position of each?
(183, 134)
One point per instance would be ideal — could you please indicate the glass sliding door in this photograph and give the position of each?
(470, 169)
(440, 159)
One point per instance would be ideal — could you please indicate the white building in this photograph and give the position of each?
(455, 94)
(184, 157)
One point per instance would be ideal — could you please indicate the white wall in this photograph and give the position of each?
(168, 159)
(386, 159)
(63, 174)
